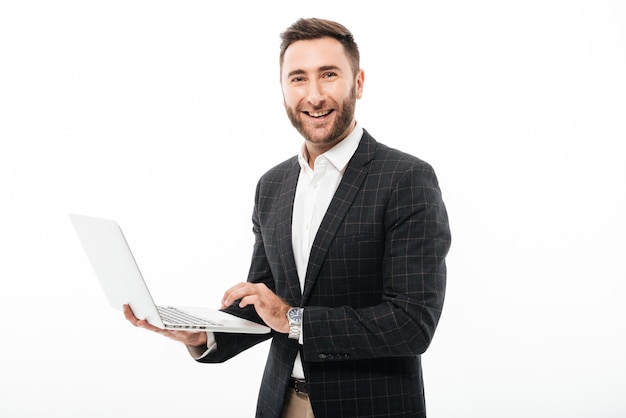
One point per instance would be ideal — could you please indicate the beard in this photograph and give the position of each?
(343, 119)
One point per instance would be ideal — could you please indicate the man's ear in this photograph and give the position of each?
(359, 81)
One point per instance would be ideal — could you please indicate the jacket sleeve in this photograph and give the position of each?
(410, 267)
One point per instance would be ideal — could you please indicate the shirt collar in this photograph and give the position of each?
(340, 154)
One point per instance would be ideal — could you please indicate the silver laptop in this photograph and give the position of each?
(122, 282)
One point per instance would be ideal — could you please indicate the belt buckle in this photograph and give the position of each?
(299, 386)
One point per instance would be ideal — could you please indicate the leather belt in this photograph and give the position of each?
(298, 385)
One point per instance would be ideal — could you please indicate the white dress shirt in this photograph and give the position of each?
(314, 192)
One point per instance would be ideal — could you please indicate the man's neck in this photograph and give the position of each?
(313, 151)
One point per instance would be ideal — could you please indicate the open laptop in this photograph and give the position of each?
(122, 282)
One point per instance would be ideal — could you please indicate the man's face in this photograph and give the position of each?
(320, 91)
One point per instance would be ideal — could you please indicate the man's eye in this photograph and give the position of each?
(297, 79)
(328, 75)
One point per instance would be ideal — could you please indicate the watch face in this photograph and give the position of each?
(295, 314)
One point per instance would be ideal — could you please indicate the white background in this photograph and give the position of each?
(162, 115)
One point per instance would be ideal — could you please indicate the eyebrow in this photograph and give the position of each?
(320, 69)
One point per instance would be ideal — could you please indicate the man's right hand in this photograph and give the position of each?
(195, 341)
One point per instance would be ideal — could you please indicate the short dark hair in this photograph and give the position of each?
(309, 29)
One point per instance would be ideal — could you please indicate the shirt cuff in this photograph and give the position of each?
(211, 345)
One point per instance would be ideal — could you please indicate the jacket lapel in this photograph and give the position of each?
(283, 229)
(349, 186)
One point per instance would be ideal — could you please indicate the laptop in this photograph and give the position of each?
(122, 282)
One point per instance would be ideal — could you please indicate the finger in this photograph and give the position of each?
(250, 300)
(237, 292)
(129, 315)
(142, 323)
(227, 295)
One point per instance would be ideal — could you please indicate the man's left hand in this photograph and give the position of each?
(271, 308)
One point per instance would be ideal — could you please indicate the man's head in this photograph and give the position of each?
(321, 80)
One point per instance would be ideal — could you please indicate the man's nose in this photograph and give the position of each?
(315, 94)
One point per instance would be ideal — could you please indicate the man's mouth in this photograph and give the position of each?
(319, 114)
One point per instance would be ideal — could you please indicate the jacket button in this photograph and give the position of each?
(322, 356)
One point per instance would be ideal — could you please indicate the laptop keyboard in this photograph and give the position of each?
(174, 316)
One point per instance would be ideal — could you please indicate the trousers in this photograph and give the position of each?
(297, 405)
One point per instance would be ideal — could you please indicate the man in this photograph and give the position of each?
(348, 266)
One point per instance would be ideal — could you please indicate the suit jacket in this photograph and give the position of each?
(374, 287)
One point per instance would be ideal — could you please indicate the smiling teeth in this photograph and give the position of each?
(319, 114)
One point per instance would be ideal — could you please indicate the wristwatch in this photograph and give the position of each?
(294, 315)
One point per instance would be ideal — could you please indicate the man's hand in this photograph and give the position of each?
(271, 308)
(190, 339)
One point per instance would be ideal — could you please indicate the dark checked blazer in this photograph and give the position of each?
(374, 286)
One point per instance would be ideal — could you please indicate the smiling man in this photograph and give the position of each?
(348, 266)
